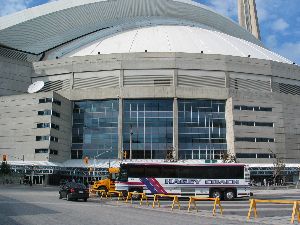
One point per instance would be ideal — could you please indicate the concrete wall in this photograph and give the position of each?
(240, 81)
(18, 123)
(15, 76)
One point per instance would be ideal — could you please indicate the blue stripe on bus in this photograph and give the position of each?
(149, 185)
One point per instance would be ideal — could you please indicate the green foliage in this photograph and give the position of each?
(228, 158)
(5, 169)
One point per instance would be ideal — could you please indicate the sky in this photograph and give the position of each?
(279, 20)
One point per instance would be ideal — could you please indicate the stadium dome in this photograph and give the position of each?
(178, 38)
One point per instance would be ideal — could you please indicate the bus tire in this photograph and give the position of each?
(101, 188)
(138, 190)
(229, 195)
(215, 193)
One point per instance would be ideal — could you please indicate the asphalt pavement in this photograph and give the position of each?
(37, 205)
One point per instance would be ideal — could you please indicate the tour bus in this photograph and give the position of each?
(226, 181)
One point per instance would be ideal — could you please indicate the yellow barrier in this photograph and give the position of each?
(294, 203)
(216, 202)
(143, 196)
(103, 193)
(118, 193)
(175, 200)
(95, 191)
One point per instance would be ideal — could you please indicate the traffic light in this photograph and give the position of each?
(4, 158)
(86, 160)
(125, 155)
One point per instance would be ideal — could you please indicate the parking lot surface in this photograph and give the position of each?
(24, 205)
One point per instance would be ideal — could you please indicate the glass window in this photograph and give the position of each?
(42, 138)
(95, 126)
(201, 128)
(148, 126)
(44, 112)
(42, 125)
(41, 150)
(54, 113)
(53, 152)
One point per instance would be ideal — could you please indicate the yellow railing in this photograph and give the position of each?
(142, 195)
(295, 204)
(174, 197)
(216, 202)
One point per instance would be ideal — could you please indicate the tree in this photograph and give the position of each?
(5, 169)
(171, 155)
(228, 158)
(278, 166)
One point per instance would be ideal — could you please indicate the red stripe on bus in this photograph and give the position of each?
(157, 185)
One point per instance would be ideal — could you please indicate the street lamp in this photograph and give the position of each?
(130, 143)
(110, 150)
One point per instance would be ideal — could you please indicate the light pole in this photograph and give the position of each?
(110, 150)
(130, 143)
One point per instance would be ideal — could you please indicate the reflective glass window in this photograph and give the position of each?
(201, 128)
(148, 128)
(95, 129)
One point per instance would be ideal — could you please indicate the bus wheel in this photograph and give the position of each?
(229, 195)
(136, 190)
(101, 188)
(215, 193)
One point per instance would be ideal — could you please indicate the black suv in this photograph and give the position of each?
(73, 191)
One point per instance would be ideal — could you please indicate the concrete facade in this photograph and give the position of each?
(239, 81)
(15, 76)
(19, 119)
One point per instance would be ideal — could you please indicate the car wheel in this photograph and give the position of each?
(229, 195)
(216, 193)
(60, 196)
(85, 199)
(68, 197)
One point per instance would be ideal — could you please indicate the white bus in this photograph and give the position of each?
(227, 181)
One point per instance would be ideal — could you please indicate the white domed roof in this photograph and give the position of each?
(176, 39)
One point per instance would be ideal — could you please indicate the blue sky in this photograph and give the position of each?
(279, 20)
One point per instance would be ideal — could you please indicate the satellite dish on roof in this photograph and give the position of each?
(35, 87)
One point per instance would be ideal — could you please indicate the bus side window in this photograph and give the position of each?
(169, 172)
(152, 172)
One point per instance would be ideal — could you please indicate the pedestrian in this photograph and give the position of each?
(265, 182)
(20, 180)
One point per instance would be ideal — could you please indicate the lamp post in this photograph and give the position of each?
(130, 143)
(32, 174)
(110, 150)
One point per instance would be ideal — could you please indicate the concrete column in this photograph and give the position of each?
(120, 129)
(121, 78)
(72, 80)
(175, 128)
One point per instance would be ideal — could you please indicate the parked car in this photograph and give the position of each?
(73, 191)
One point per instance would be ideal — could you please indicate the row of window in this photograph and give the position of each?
(252, 108)
(48, 112)
(255, 155)
(194, 172)
(47, 125)
(50, 100)
(254, 139)
(45, 150)
(253, 124)
(46, 138)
